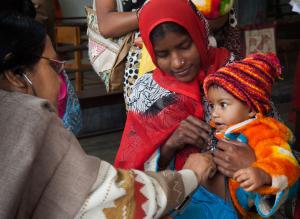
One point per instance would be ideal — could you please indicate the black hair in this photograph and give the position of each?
(22, 42)
(24, 7)
(161, 30)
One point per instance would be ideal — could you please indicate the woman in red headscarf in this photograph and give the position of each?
(165, 114)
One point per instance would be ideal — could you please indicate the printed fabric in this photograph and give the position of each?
(151, 119)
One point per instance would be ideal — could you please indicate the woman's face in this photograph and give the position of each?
(176, 54)
(45, 80)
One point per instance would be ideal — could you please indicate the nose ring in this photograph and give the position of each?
(182, 61)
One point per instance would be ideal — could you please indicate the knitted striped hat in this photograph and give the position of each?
(250, 80)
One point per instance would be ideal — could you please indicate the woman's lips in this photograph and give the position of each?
(182, 72)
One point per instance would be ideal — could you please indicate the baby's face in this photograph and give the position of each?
(225, 109)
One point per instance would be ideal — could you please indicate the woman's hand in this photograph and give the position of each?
(202, 164)
(231, 156)
(191, 131)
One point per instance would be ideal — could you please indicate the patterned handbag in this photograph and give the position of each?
(107, 55)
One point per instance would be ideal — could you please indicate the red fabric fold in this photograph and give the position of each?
(143, 134)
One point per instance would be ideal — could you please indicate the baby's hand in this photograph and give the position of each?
(252, 178)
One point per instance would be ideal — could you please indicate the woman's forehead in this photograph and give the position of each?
(170, 39)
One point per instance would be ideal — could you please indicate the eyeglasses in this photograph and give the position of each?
(58, 66)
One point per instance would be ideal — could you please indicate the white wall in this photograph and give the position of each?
(74, 8)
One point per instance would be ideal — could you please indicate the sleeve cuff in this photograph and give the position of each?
(190, 181)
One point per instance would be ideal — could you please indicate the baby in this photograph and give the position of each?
(239, 99)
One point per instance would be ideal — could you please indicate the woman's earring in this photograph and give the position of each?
(30, 83)
(27, 79)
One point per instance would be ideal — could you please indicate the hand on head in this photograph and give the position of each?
(252, 178)
(233, 156)
(202, 164)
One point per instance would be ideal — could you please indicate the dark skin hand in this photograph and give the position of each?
(190, 131)
(231, 156)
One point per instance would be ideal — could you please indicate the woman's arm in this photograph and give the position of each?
(113, 23)
(137, 194)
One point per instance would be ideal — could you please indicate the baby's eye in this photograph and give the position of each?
(223, 104)
(210, 106)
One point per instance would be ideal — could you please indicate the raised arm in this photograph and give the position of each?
(60, 180)
(113, 23)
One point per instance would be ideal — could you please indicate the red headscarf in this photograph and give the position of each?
(143, 134)
(184, 13)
